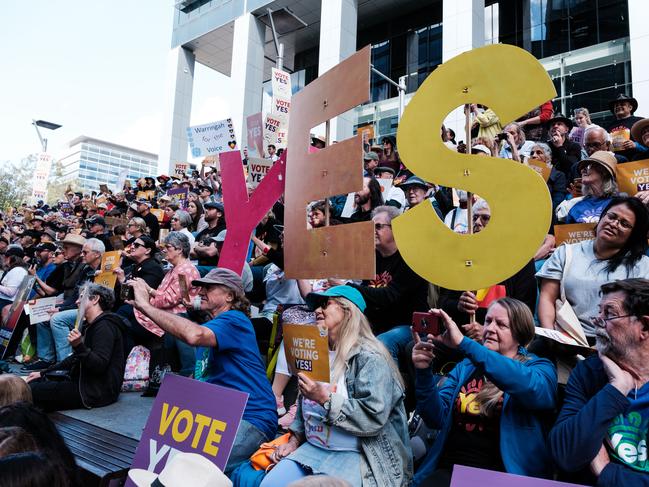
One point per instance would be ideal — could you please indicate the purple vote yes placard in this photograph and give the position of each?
(189, 416)
(471, 477)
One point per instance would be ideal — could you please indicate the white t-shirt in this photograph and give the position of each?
(584, 278)
(11, 282)
(460, 224)
(191, 237)
(396, 194)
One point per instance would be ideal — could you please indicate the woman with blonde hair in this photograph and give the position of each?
(491, 409)
(13, 389)
(354, 428)
(136, 227)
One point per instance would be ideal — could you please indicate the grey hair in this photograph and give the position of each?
(140, 223)
(609, 185)
(597, 128)
(546, 149)
(391, 211)
(481, 205)
(106, 295)
(519, 130)
(180, 241)
(96, 245)
(184, 218)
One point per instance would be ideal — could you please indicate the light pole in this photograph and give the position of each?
(46, 125)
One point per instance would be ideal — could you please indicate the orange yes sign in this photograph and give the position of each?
(519, 200)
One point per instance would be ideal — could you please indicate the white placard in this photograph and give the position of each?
(257, 170)
(212, 138)
(281, 83)
(38, 309)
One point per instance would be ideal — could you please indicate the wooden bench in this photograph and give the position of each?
(103, 457)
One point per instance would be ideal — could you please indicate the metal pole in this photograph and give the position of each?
(43, 141)
(280, 57)
(402, 95)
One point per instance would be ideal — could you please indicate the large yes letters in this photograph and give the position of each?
(519, 200)
(338, 251)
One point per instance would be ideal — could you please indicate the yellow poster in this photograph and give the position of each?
(574, 232)
(633, 177)
(307, 350)
(541, 168)
(109, 262)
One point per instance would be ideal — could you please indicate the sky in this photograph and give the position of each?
(98, 68)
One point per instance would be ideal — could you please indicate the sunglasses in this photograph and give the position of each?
(137, 245)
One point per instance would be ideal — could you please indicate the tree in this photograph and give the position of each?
(16, 181)
(57, 185)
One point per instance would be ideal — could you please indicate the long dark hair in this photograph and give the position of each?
(33, 469)
(376, 198)
(48, 440)
(196, 218)
(636, 245)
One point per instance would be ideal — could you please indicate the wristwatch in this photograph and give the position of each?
(327, 404)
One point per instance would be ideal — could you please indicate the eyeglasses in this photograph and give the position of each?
(132, 225)
(169, 246)
(483, 217)
(601, 322)
(621, 222)
(137, 244)
(594, 144)
(174, 219)
(381, 226)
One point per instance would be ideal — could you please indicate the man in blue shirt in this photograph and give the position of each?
(601, 433)
(226, 352)
(45, 264)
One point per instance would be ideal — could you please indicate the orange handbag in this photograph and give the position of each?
(260, 460)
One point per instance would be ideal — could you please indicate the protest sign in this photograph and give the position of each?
(350, 206)
(192, 417)
(41, 176)
(476, 261)
(541, 168)
(121, 179)
(37, 309)
(179, 196)
(577, 135)
(159, 214)
(560, 336)
(180, 168)
(333, 251)
(145, 195)
(272, 126)
(281, 107)
(281, 83)
(7, 339)
(257, 170)
(109, 262)
(255, 141)
(471, 477)
(282, 137)
(246, 211)
(366, 132)
(307, 350)
(573, 233)
(212, 138)
(619, 135)
(633, 177)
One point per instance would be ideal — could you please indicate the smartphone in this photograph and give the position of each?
(425, 323)
(126, 293)
(501, 136)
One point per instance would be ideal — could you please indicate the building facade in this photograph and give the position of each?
(90, 162)
(592, 50)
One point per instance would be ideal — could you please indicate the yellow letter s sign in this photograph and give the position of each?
(511, 82)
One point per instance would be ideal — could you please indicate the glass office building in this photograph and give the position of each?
(592, 50)
(91, 162)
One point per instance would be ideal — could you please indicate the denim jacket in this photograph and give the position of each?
(529, 398)
(375, 413)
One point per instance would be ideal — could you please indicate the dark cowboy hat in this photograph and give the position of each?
(559, 117)
(622, 97)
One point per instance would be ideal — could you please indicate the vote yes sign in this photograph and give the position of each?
(193, 417)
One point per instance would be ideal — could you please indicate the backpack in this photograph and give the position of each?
(136, 373)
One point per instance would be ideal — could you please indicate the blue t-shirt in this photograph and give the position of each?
(626, 440)
(587, 210)
(43, 273)
(237, 364)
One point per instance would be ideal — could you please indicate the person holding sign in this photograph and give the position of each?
(96, 364)
(226, 352)
(617, 252)
(355, 427)
(490, 409)
(600, 434)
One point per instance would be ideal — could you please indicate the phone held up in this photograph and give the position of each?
(427, 323)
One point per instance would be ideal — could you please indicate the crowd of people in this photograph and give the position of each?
(402, 405)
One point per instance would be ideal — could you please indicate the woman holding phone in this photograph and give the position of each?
(490, 410)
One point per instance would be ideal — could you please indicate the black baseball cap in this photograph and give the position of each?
(46, 246)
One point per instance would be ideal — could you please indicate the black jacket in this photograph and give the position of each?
(394, 294)
(98, 362)
(564, 157)
(153, 225)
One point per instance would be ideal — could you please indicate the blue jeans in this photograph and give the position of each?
(285, 472)
(247, 442)
(396, 341)
(52, 344)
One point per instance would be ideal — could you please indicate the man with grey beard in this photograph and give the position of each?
(601, 433)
